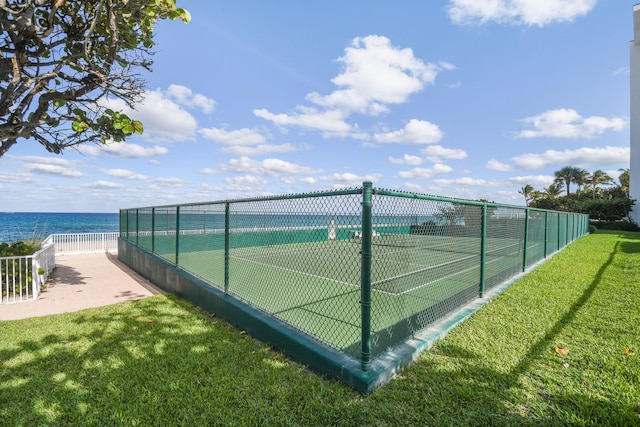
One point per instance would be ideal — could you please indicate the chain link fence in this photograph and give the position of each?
(361, 270)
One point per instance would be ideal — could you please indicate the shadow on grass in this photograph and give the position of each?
(468, 391)
(630, 247)
(161, 361)
(157, 361)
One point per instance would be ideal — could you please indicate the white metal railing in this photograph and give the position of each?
(22, 277)
(84, 243)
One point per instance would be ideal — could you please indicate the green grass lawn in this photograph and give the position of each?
(162, 361)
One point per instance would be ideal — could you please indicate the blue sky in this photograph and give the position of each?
(463, 98)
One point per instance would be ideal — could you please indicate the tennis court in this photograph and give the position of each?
(302, 259)
(315, 286)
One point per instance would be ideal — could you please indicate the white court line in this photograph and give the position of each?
(400, 276)
(315, 276)
(445, 277)
(330, 251)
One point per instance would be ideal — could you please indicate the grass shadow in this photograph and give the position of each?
(158, 361)
(459, 386)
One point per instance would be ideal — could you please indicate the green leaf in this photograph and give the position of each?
(138, 127)
(184, 15)
(127, 129)
(79, 126)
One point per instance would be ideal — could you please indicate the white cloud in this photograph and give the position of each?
(247, 183)
(621, 71)
(234, 187)
(435, 153)
(516, 12)
(259, 150)
(53, 170)
(414, 132)
(406, 160)
(122, 150)
(375, 74)
(51, 166)
(467, 181)
(16, 177)
(170, 182)
(582, 157)
(537, 181)
(447, 66)
(567, 123)
(235, 137)
(347, 179)
(269, 167)
(308, 180)
(495, 165)
(185, 96)
(330, 122)
(163, 119)
(125, 174)
(425, 172)
(244, 142)
(104, 185)
(517, 181)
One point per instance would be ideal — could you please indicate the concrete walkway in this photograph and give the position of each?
(83, 281)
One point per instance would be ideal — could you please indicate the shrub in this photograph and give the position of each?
(614, 225)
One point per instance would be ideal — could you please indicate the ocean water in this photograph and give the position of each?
(27, 225)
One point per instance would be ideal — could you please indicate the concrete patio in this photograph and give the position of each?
(83, 281)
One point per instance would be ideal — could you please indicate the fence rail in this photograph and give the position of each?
(84, 243)
(22, 277)
(361, 270)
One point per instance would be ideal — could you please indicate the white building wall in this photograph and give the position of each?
(634, 168)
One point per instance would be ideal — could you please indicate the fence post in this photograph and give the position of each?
(546, 232)
(483, 251)
(526, 239)
(153, 230)
(365, 285)
(226, 248)
(559, 228)
(137, 227)
(177, 234)
(34, 278)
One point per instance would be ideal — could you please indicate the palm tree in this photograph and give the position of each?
(624, 180)
(598, 177)
(582, 180)
(568, 175)
(553, 190)
(527, 192)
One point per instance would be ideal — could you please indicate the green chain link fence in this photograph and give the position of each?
(361, 270)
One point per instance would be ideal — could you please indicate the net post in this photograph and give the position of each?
(177, 233)
(526, 239)
(483, 251)
(226, 248)
(365, 286)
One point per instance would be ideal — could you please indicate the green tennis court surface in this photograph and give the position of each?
(315, 286)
